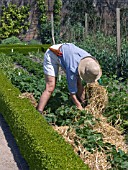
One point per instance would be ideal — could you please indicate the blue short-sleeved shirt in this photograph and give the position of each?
(70, 61)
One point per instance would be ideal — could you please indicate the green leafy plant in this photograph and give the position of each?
(34, 42)
(11, 40)
(44, 29)
(118, 159)
(57, 12)
(14, 20)
(117, 109)
(104, 49)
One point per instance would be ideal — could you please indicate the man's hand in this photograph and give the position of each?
(80, 107)
(76, 101)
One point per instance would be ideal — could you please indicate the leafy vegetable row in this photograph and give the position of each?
(61, 112)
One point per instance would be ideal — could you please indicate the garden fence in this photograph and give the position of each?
(112, 29)
(106, 24)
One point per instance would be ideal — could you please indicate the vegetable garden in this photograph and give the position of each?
(99, 138)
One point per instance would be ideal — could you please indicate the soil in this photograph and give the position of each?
(10, 157)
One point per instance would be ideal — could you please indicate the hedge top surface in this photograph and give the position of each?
(40, 145)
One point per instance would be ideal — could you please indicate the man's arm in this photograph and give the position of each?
(72, 86)
(76, 101)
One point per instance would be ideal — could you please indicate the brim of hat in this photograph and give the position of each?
(90, 79)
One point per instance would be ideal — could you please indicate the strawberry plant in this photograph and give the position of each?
(117, 109)
(27, 63)
(118, 159)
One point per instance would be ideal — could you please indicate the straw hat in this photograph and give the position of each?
(89, 70)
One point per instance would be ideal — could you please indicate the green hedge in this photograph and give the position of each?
(39, 144)
(24, 49)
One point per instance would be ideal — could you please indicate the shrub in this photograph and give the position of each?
(34, 42)
(11, 40)
(39, 144)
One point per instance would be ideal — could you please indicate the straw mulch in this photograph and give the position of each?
(97, 100)
(30, 97)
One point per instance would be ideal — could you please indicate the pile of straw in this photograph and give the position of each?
(97, 98)
(30, 97)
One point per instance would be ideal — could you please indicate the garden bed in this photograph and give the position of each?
(99, 143)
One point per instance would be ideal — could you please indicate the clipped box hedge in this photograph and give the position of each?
(41, 146)
(24, 49)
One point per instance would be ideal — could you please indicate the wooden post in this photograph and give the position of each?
(83, 33)
(52, 26)
(53, 39)
(74, 34)
(105, 22)
(118, 32)
(0, 12)
(86, 24)
(118, 42)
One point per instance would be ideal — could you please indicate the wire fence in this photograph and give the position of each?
(107, 34)
(106, 24)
